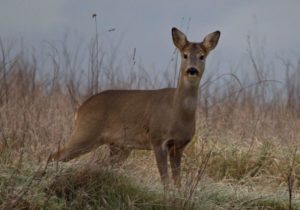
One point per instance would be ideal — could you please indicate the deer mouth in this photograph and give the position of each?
(192, 72)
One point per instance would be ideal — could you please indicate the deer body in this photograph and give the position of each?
(162, 120)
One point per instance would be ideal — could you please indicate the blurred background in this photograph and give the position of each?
(55, 54)
(141, 30)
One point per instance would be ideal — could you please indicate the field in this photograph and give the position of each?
(245, 154)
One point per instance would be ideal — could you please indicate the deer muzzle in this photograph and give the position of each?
(193, 72)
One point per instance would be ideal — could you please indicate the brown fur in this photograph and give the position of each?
(162, 120)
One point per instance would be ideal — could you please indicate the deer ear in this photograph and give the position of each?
(179, 38)
(211, 40)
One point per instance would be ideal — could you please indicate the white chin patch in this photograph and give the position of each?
(193, 76)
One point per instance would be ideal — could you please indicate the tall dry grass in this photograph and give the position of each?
(247, 134)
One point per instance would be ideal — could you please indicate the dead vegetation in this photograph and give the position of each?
(245, 154)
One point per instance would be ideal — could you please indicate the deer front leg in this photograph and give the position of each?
(161, 156)
(175, 161)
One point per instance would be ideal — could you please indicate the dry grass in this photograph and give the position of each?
(244, 156)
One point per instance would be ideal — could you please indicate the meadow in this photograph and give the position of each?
(245, 154)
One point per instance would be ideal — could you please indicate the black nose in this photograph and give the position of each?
(192, 71)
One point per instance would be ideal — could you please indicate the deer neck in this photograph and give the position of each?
(185, 99)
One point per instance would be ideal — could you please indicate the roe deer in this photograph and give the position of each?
(162, 120)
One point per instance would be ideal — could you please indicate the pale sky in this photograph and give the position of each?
(146, 25)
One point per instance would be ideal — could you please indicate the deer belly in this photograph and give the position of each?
(138, 140)
(127, 137)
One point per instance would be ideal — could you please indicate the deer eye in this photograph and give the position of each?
(202, 57)
(185, 56)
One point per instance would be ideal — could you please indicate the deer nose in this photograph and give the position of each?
(192, 71)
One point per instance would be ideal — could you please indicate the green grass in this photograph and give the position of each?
(24, 185)
(220, 196)
(72, 188)
(236, 177)
(90, 189)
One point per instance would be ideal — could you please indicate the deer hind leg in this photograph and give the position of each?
(118, 155)
(79, 144)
